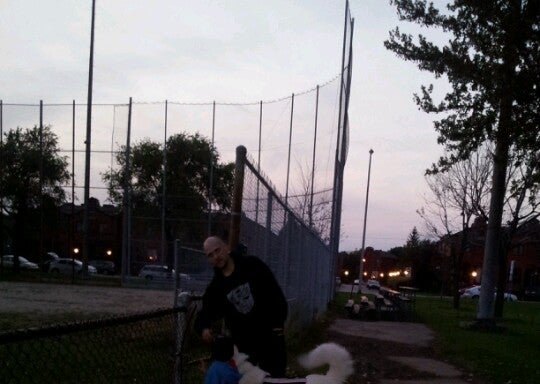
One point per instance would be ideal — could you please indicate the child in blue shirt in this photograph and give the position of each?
(223, 369)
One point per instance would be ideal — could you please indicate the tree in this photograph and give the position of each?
(457, 196)
(189, 159)
(492, 64)
(24, 153)
(315, 210)
(521, 207)
(417, 254)
(413, 240)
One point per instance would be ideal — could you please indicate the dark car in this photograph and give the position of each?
(103, 266)
(532, 293)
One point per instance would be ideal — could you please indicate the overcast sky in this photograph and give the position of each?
(236, 51)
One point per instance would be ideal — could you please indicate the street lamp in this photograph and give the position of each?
(365, 220)
(75, 252)
(109, 252)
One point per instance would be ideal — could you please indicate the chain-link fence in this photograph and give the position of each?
(295, 250)
(294, 139)
(159, 171)
(152, 347)
(137, 348)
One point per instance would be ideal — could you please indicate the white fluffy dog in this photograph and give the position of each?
(337, 357)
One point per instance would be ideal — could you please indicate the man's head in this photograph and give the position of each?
(217, 252)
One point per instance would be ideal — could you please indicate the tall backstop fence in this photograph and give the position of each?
(160, 171)
(162, 192)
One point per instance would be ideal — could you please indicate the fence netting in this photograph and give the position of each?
(293, 139)
(150, 347)
(137, 348)
(295, 250)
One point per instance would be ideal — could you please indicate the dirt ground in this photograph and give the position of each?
(25, 304)
(388, 352)
(384, 352)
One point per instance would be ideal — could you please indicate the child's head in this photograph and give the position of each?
(222, 349)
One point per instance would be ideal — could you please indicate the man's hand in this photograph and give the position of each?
(207, 335)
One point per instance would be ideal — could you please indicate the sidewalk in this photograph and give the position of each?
(388, 352)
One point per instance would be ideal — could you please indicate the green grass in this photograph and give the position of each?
(510, 356)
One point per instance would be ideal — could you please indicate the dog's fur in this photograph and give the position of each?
(337, 357)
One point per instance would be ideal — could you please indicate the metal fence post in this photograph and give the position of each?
(268, 229)
(126, 235)
(41, 214)
(1, 187)
(211, 181)
(289, 155)
(236, 209)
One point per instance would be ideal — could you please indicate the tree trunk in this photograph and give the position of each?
(492, 249)
(501, 284)
(459, 262)
(492, 245)
(455, 273)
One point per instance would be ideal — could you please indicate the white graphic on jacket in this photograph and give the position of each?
(241, 298)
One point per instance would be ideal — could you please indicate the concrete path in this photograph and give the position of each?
(406, 333)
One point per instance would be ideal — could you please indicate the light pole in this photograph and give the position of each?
(86, 215)
(361, 272)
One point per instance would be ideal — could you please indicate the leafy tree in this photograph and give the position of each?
(23, 154)
(187, 184)
(492, 64)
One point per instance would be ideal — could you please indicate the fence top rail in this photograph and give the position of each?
(271, 101)
(279, 199)
(78, 326)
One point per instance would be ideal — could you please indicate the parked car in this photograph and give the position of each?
(160, 272)
(65, 266)
(373, 284)
(474, 293)
(532, 293)
(47, 259)
(156, 271)
(24, 264)
(103, 266)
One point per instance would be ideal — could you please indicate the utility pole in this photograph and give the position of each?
(361, 269)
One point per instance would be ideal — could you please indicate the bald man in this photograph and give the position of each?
(245, 293)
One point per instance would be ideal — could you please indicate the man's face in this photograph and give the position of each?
(217, 253)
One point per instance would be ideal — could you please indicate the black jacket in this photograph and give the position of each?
(250, 300)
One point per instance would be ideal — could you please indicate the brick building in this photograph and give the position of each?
(523, 256)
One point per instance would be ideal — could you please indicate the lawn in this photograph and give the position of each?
(510, 356)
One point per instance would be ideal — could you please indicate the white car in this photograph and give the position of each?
(373, 284)
(474, 293)
(156, 271)
(24, 264)
(160, 272)
(66, 266)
